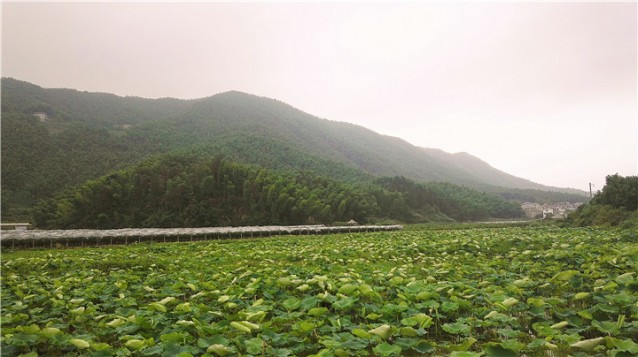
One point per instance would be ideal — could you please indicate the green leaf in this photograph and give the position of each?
(409, 321)
(626, 345)
(185, 323)
(218, 349)
(423, 320)
(424, 347)
(79, 343)
(559, 325)
(174, 337)
(449, 306)
(585, 314)
(255, 346)
(382, 331)
(625, 279)
(538, 302)
(49, 331)
(496, 350)
(204, 342)
(292, 303)
(565, 275)
(250, 325)
(240, 327)
(344, 304)
(464, 346)
(166, 300)
(581, 295)
(115, 322)
(607, 327)
(157, 307)
(588, 345)
(396, 280)
(347, 289)
(361, 333)
(509, 302)
(355, 344)
(317, 311)
(156, 350)
(135, 344)
(386, 349)
(78, 311)
(457, 328)
(305, 326)
(408, 331)
(256, 316)
(100, 346)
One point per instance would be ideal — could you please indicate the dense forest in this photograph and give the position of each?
(190, 190)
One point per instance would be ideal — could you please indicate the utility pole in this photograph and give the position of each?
(590, 195)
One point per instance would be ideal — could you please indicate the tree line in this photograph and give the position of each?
(616, 204)
(188, 190)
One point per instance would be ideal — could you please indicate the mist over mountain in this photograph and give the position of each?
(53, 139)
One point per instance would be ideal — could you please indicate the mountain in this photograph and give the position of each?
(53, 139)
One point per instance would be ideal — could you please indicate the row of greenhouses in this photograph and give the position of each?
(15, 239)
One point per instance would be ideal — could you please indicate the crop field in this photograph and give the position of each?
(534, 291)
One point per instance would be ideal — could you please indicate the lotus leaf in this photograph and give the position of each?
(79, 343)
(218, 349)
(382, 331)
(497, 350)
(588, 345)
(386, 349)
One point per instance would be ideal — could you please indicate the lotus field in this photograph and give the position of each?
(533, 291)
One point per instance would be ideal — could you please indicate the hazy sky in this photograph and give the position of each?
(544, 91)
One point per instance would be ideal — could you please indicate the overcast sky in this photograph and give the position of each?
(544, 91)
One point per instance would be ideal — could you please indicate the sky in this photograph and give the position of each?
(542, 90)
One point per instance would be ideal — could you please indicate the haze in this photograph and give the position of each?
(544, 91)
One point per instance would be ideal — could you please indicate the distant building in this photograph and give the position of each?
(548, 211)
(42, 116)
(16, 226)
(558, 210)
(532, 210)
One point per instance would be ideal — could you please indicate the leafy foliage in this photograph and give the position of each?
(471, 292)
(619, 192)
(416, 202)
(616, 204)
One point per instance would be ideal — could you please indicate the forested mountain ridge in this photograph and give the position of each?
(56, 138)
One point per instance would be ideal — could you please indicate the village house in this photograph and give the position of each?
(558, 210)
(42, 116)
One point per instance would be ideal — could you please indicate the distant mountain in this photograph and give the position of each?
(55, 138)
(484, 172)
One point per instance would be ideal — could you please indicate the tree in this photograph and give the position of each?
(619, 192)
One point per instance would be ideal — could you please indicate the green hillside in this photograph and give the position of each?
(177, 190)
(80, 136)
